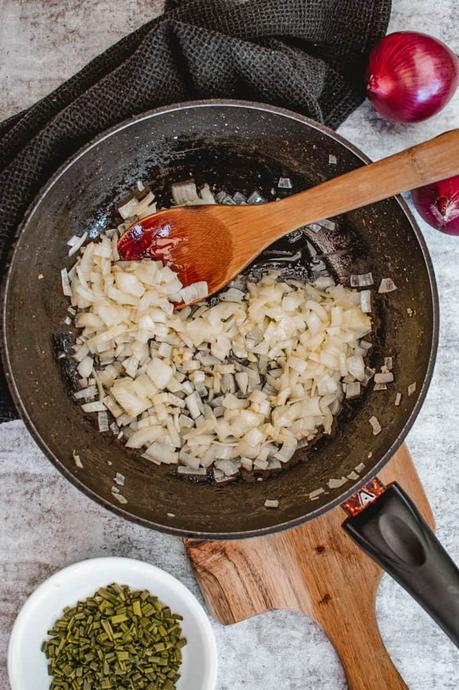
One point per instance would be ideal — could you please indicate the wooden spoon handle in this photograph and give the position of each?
(428, 162)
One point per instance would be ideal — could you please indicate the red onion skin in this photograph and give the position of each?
(438, 204)
(411, 76)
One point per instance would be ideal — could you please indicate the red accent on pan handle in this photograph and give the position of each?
(362, 498)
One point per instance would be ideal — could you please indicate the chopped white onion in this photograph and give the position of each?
(336, 483)
(186, 194)
(365, 301)
(380, 387)
(102, 420)
(384, 378)
(316, 493)
(76, 246)
(96, 406)
(86, 393)
(119, 497)
(119, 479)
(199, 472)
(253, 376)
(353, 390)
(77, 460)
(85, 366)
(386, 285)
(362, 280)
(328, 224)
(66, 289)
(193, 292)
(375, 425)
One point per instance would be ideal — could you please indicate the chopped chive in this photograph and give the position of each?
(118, 638)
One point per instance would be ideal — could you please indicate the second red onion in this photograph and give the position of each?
(438, 204)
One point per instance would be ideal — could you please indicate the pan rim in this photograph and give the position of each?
(170, 529)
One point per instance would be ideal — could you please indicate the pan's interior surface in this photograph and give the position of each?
(239, 147)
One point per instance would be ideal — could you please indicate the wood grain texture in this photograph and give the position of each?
(315, 569)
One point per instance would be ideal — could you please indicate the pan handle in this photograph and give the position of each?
(392, 531)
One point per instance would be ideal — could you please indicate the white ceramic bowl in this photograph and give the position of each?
(27, 665)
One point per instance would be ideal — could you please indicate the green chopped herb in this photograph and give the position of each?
(118, 639)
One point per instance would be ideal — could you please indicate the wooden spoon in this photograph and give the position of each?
(214, 243)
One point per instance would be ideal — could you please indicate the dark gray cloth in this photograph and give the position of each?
(307, 55)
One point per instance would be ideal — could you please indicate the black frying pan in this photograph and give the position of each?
(239, 146)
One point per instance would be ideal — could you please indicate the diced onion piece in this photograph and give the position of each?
(386, 285)
(77, 460)
(96, 406)
(380, 387)
(316, 493)
(323, 282)
(162, 453)
(336, 483)
(159, 372)
(384, 378)
(375, 425)
(128, 210)
(255, 198)
(328, 224)
(130, 402)
(86, 393)
(286, 451)
(194, 405)
(271, 503)
(66, 288)
(365, 301)
(206, 195)
(145, 436)
(76, 246)
(85, 367)
(120, 498)
(398, 399)
(362, 280)
(356, 366)
(102, 420)
(120, 479)
(199, 472)
(193, 292)
(185, 193)
(411, 389)
(353, 390)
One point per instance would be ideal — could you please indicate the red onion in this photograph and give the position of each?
(438, 204)
(411, 76)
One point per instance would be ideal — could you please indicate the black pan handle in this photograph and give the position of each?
(392, 531)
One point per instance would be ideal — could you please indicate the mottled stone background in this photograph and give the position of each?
(46, 523)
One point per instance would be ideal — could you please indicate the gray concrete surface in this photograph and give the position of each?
(47, 524)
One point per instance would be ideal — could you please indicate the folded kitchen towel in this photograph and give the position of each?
(306, 55)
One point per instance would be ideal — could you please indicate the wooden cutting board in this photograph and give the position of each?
(315, 569)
